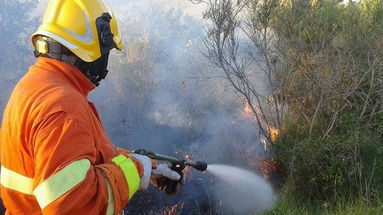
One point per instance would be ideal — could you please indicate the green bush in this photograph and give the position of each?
(344, 207)
(349, 163)
(331, 146)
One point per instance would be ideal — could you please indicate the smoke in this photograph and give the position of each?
(161, 95)
(158, 97)
(241, 191)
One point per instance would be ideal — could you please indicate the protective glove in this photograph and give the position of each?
(166, 179)
(160, 175)
(147, 169)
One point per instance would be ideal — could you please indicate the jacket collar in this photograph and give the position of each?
(73, 75)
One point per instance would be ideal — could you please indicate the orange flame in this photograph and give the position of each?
(269, 167)
(274, 133)
(248, 112)
(187, 169)
(174, 209)
(247, 109)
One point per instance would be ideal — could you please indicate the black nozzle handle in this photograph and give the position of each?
(198, 165)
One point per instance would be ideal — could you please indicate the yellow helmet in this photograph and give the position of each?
(87, 28)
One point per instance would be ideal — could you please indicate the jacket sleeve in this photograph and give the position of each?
(67, 181)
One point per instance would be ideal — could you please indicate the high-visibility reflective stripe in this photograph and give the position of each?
(130, 171)
(15, 181)
(61, 182)
(110, 209)
(58, 39)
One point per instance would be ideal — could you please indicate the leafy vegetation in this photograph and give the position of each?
(358, 207)
(331, 147)
(322, 61)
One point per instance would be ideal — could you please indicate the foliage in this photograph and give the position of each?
(332, 144)
(349, 163)
(246, 63)
(357, 207)
(323, 65)
(337, 57)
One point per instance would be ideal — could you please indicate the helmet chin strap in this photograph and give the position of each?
(95, 71)
(96, 79)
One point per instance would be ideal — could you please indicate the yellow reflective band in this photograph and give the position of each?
(110, 209)
(14, 181)
(130, 171)
(61, 182)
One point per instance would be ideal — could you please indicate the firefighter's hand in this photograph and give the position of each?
(166, 179)
(147, 170)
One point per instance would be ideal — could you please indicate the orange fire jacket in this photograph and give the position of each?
(55, 155)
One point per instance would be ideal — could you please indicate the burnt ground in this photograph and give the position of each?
(193, 198)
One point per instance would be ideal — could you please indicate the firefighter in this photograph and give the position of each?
(56, 157)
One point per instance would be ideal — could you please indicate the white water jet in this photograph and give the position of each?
(242, 191)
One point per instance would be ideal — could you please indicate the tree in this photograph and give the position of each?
(240, 42)
(313, 63)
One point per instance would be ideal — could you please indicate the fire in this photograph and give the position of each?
(247, 109)
(248, 112)
(269, 167)
(187, 169)
(274, 133)
(174, 209)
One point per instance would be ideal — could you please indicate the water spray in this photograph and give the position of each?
(241, 191)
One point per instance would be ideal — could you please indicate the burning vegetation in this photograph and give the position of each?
(168, 112)
(196, 195)
(174, 209)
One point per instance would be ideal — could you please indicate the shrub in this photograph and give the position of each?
(346, 164)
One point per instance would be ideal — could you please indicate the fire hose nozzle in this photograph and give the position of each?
(198, 165)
